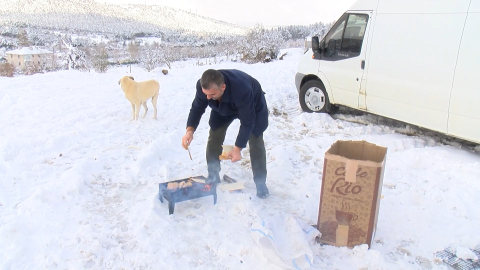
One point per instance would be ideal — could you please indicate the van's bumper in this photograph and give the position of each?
(298, 80)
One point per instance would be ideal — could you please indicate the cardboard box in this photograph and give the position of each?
(350, 195)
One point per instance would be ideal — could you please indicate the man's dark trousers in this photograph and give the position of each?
(258, 157)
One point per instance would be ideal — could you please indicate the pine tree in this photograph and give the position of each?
(74, 58)
(22, 37)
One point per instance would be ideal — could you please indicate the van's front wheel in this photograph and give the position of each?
(314, 98)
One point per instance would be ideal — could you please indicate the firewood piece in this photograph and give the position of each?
(232, 186)
(172, 185)
(184, 184)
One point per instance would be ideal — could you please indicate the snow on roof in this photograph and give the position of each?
(29, 50)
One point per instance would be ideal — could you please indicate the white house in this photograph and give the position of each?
(28, 56)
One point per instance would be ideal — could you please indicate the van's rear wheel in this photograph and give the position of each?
(314, 98)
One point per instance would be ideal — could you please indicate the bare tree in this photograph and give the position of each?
(229, 48)
(99, 58)
(32, 68)
(149, 57)
(260, 45)
(168, 54)
(7, 70)
(53, 64)
(134, 51)
(115, 54)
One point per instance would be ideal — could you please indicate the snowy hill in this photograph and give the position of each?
(89, 15)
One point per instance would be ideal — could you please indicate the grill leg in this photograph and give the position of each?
(214, 198)
(171, 208)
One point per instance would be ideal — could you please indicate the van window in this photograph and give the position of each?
(345, 38)
(354, 32)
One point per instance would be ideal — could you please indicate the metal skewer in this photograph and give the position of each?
(189, 153)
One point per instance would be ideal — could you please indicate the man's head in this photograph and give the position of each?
(213, 84)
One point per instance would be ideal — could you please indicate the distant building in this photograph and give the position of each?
(29, 56)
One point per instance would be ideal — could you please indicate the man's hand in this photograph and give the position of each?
(187, 139)
(236, 154)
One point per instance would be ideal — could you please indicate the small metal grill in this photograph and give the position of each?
(188, 189)
(448, 257)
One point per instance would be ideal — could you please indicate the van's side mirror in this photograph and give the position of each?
(315, 45)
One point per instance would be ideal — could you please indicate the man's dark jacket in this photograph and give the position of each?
(243, 99)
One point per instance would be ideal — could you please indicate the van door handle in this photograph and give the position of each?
(363, 64)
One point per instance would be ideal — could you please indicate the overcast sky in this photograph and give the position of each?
(266, 12)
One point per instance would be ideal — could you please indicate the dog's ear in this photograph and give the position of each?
(131, 78)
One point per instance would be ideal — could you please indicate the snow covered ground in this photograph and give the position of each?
(79, 180)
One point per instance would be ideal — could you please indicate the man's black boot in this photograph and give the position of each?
(262, 190)
(213, 180)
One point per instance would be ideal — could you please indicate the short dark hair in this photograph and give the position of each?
(211, 77)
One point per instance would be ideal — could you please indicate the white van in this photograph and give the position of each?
(415, 61)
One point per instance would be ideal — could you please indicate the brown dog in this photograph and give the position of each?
(138, 93)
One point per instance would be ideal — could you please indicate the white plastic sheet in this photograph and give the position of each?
(286, 240)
